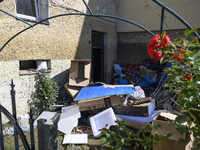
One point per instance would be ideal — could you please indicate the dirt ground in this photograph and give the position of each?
(93, 143)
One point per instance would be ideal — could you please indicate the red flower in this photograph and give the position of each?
(177, 58)
(188, 77)
(151, 52)
(165, 40)
(157, 45)
(154, 40)
(195, 38)
(181, 52)
(149, 47)
(158, 55)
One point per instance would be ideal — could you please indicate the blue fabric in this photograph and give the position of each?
(168, 64)
(122, 82)
(83, 118)
(138, 118)
(146, 81)
(103, 90)
(158, 79)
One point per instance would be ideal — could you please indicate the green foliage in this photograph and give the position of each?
(184, 80)
(46, 91)
(124, 137)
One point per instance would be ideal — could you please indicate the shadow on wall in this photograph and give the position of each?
(61, 79)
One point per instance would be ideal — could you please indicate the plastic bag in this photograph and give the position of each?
(118, 69)
(138, 94)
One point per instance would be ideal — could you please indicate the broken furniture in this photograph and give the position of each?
(165, 100)
(104, 119)
(79, 76)
(144, 109)
(64, 122)
(72, 90)
(136, 122)
(79, 72)
(101, 96)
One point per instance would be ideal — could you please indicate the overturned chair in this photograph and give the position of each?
(164, 99)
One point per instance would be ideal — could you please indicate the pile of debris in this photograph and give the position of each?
(146, 74)
(99, 105)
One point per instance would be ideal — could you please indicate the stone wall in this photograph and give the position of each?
(132, 47)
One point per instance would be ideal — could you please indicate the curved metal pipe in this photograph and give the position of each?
(16, 126)
(176, 15)
(88, 7)
(16, 17)
(83, 14)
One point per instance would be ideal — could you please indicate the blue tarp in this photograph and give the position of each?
(103, 90)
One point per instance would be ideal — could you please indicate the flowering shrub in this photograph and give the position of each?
(184, 77)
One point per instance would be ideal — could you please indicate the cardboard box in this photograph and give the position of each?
(144, 109)
(79, 72)
(72, 90)
(171, 142)
(165, 126)
(100, 102)
(168, 144)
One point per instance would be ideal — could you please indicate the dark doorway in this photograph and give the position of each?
(97, 56)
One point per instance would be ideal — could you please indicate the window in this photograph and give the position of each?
(33, 10)
(27, 67)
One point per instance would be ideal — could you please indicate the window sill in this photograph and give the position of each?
(32, 19)
(30, 72)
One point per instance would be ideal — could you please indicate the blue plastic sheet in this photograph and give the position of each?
(103, 90)
(138, 118)
(146, 81)
(122, 82)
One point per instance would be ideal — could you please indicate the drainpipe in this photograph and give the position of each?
(64, 6)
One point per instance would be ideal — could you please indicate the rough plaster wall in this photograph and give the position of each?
(132, 47)
(59, 40)
(64, 39)
(24, 85)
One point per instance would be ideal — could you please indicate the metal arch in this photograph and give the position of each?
(176, 15)
(16, 126)
(80, 14)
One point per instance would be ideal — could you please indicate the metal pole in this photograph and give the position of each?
(1, 133)
(31, 129)
(40, 126)
(177, 16)
(80, 14)
(88, 7)
(12, 92)
(16, 125)
(162, 18)
(16, 17)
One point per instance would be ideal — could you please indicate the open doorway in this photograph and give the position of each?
(97, 57)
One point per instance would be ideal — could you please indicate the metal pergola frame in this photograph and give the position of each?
(100, 15)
